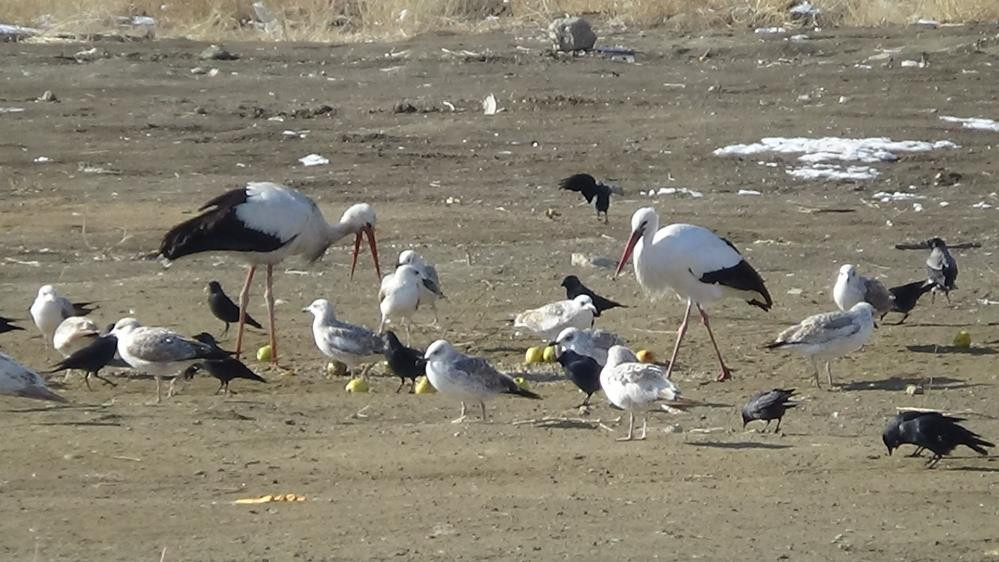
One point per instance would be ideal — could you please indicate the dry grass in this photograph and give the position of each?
(345, 19)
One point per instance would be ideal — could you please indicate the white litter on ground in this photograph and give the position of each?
(981, 205)
(980, 123)
(749, 192)
(833, 172)
(674, 191)
(885, 196)
(769, 30)
(489, 106)
(11, 109)
(314, 160)
(917, 207)
(16, 31)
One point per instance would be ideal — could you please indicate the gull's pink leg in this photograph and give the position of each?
(679, 338)
(244, 299)
(726, 372)
(269, 297)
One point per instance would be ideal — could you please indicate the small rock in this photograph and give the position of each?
(571, 34)
(215, 52)
(673, 428)
(48, 96)
(200, 70)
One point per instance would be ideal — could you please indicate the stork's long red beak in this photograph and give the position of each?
(628, 249)
(369, 232)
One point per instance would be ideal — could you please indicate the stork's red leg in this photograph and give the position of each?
(244, 299)
(726, 373)
(679, 338)
(269, 297)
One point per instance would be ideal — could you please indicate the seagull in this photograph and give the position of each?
(158, 351)
(851, 288)
(824, 337)
(941, 267)
(631, 385)
(7, 325)
(697, 265)
(591, 189)
(400, 297)
(266, 222)
(905, 297)
(590, 343)
(938, 433)
(549, 320)
(18, 380)
(430, 290)
(224, 370)
(768, 405)
(347, 343)
(468, 378)
(224, 309)
(574, 287)
(582, 370)
(74, 333)
(50, 309)
(96, 355)
(405, 362)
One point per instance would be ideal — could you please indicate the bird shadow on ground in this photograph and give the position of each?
(951, 349)
(973, 469)
(933, 324)
(83, 423)
(739, 445)
(899, 383)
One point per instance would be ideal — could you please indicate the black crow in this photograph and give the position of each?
(224, 309)
(939, 433)
(591, 189)
(99, 354)
(210, 341)
(906, 297)
(224, 370)
(583, 371)
(405, 362)
(909, 415)
(574, 287)
(941, 267)
(7, 325)
(768, 405)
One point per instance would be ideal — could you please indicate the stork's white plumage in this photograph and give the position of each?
(696, 264)
(264, 223)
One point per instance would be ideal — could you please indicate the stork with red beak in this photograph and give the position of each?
(264, 223)
(697, 265)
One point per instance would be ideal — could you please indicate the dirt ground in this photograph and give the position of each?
(136, 142)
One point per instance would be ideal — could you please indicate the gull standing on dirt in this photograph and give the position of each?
(697, 265)
(590, 343)
(852, 287)
(7, 325)
(824, 337)
(159, 352)
(549, 320)
(349, 344)
(768, 405)
(50, 309)
(18, 380)
(400, 297)
(631, 385)
(74, 333)
(430, 289)
(468, 378)
(265, 223)
(941, 267)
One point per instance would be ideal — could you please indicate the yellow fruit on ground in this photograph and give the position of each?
(645, 356)
(336, 369)
(423, 386)
(265, 353)
(357, 385)
(962, 339)
(549, 354)
(521, 382)
(534, 355)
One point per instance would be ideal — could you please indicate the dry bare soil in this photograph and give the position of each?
(111, 478)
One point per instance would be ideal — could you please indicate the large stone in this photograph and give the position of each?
(571, 34)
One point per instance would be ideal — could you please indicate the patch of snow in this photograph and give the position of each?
(41, 159)
(675, 191)
(873, 149)
(314, 160)
(980, 123)
(833, 172)
(769, 30)
(912, 64)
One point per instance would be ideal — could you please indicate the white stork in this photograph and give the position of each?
(696, 264)
(264, 223)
